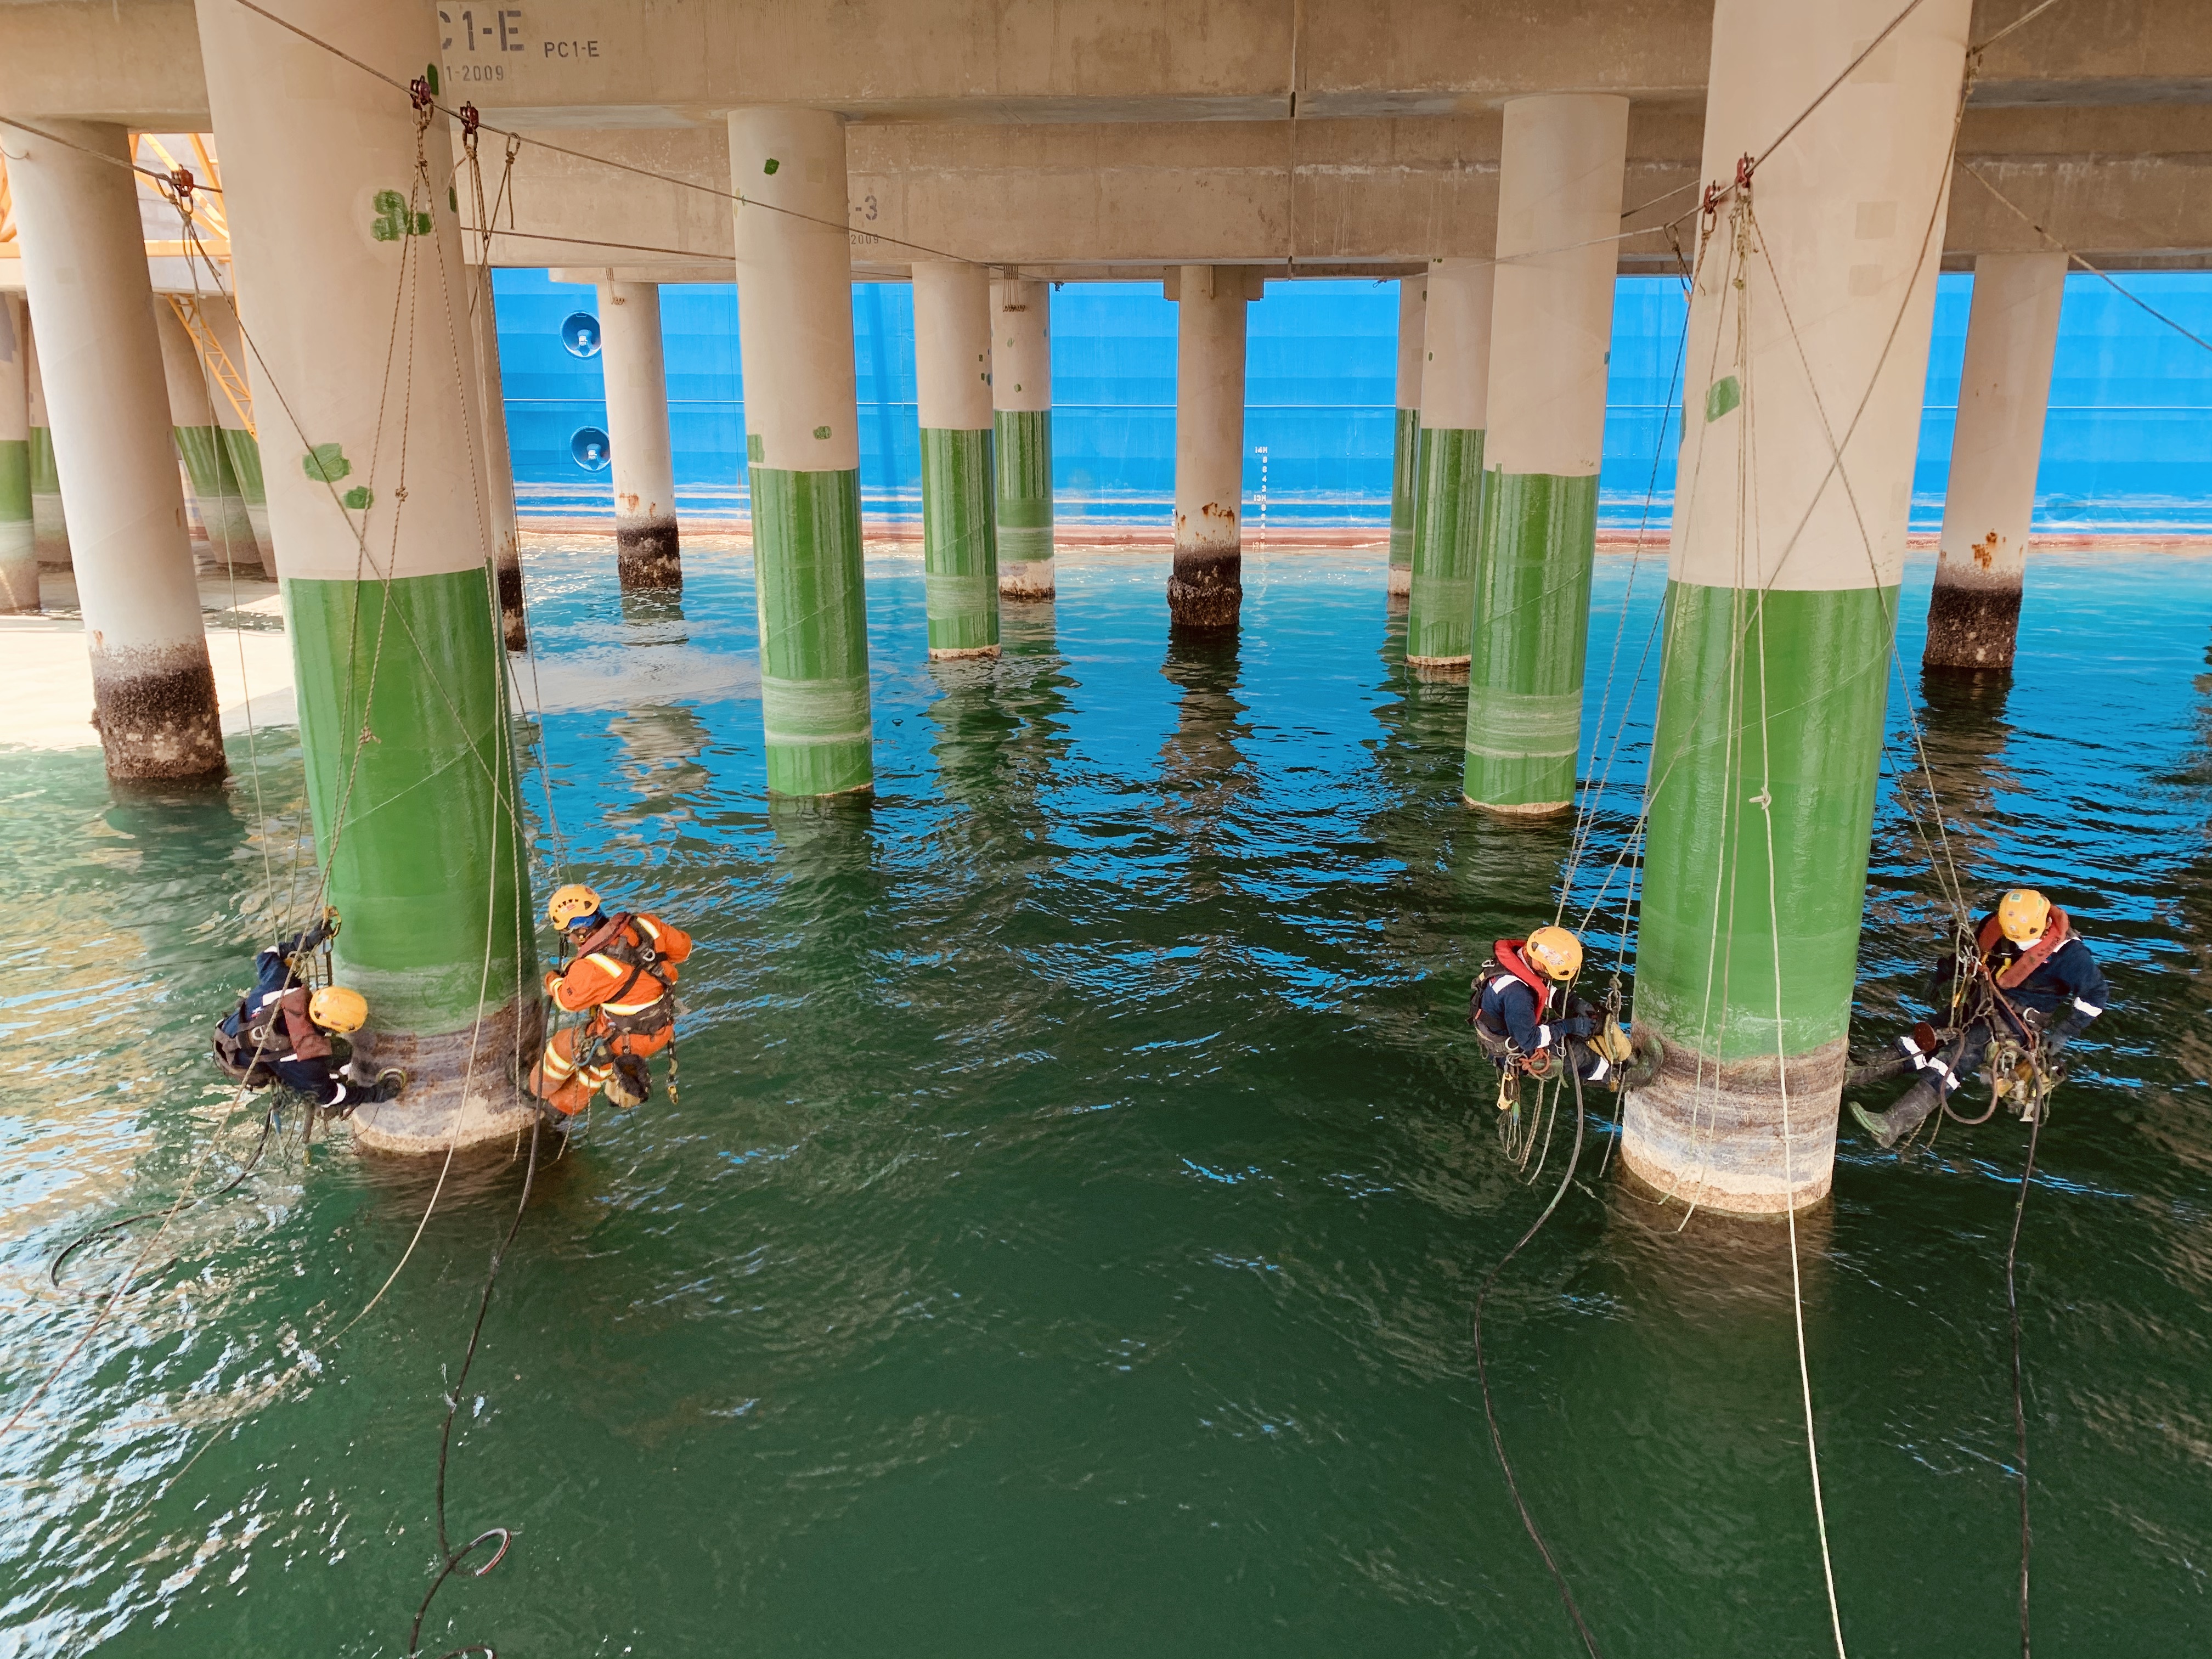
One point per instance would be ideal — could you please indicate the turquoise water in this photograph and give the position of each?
(1067, 1234)
(2123, 450)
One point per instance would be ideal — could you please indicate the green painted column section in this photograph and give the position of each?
(243, 451)
(424, 866)
(1025, 465)
(50, 530)
(221, 500)
(1524, 683)
(16, 481)
(1440, 609)
(19, 558)
(1405, 488)
(959, 542)
(1814, 662)
(814, 630)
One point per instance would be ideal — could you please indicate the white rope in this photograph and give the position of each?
(1764, 800)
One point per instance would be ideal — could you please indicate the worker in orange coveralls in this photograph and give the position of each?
(624, 969)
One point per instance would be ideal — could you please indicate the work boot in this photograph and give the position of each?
(560, 1122)
(1909, 1112)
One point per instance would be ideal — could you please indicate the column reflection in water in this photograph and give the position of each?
(1002, 725)
(661, 746)
(1203, 772)
(655, 616)
(1964, 733)
(2192, 1042)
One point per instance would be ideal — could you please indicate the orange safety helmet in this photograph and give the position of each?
(2022, 915)
(1556, 953)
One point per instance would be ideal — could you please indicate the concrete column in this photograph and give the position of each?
(231, 542)
(952, 389)
(498, 465)
(1448, 493)
(19, 553)
(393, 611)
(49, 530)
(802, 447)
(234, 417)
(633, 359)
(2004, 392)
(1406, 453)
(1207, 586)
(1021, 395)
(1559, 203)
(84, 265)
(1780, 616)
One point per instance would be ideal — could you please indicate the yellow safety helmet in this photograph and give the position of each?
(2022, 915)
(571, 901)
(1557, 953)
(336, 1009)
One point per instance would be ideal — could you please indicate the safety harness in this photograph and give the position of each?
(628, 941)
(2021, 1074)
(272, 1025)
(619, 942)
(1504, 966)
(2055, 932)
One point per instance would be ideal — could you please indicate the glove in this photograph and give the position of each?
(552, 983)
(388, 1086)
(1578, 1027)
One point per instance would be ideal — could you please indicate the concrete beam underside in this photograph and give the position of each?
(2125, 187)
(589, 64)
(1096, 138)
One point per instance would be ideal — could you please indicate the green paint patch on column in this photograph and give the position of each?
(1404, 487)
(1440, 609)
(1816, 663)
(204, 461)
(959, 542)
(403, 707)
(243, 454)
(46, 478)
(14, 481)
(49, 527)
(19, 550)
(1024, 467)
(1531, 584)
(222, 504)
(814, 637)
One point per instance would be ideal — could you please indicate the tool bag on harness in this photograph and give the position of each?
(631, 1083)
(244, 1057)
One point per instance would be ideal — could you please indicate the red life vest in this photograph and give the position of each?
(2055, 932)
(1506, 953)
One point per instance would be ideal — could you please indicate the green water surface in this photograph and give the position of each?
(1067, 1237)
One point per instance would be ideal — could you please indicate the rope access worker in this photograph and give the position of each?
(623, 970)
(1528, 1021)
(281, 1031)
(2028, 988)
